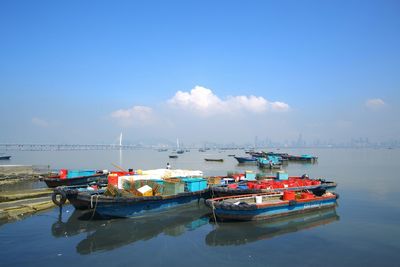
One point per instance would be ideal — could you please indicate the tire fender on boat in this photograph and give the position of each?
(292, 202)
(337, 195)
(63, 197)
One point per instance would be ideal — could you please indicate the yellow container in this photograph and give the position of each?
(148, 193)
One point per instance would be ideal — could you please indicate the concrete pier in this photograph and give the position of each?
(16, 205)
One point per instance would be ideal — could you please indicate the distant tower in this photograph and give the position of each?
(120, 139)
(300, 140)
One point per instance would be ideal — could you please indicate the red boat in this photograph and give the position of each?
(271, 185)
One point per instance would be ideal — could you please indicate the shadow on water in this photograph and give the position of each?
(105, 235)
(239, 233)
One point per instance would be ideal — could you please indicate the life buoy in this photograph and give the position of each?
(63, 197)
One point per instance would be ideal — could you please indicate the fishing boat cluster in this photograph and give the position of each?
(236, 196)
(273, 160)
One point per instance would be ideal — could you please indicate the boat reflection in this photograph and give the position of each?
(80, 221)
(238, 233)
(104, 235)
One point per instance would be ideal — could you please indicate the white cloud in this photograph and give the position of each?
(279, 106)
(375, 103)
(140, 115)
(199, 99)
(203, 101)
(250, 103)
(40, 122)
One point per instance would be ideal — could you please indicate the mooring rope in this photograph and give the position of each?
(213, 208)
(91, 204)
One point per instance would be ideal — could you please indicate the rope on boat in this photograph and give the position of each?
(91, 204)
(213, 208)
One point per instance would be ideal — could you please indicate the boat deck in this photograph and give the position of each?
(252, 200)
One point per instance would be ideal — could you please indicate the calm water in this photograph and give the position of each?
(363, 230)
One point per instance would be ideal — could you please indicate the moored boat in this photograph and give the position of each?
(270, 162)
(293, 183)
(303, 158)
(246, 159)
(135, 194)
(268, 205)
(132, 206)
(5, 157)
(210, 159)
(75, 177)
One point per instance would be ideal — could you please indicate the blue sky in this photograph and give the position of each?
(69, 69)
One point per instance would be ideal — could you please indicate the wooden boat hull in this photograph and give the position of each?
(217, 160)
(53, 182)
(123, 207)
(254, 212)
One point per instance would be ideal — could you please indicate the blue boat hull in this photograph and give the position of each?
(120, 207)
(246, 160)
(270, 212)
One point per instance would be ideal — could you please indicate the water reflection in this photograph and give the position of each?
(238, 233)
(107, 235)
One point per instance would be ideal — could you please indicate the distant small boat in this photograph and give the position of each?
(303, 158)
(173, 156)
(162, 149)
(219, 160)
(202, 150)
(231, 155)
(5, 157)
(246, 159)
(180, 151)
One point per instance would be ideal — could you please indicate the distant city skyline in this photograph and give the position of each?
(225, 71)
(361, 142)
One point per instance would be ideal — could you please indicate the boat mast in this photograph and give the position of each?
(120, 140)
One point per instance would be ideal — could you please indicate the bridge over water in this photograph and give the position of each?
(59, 147)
